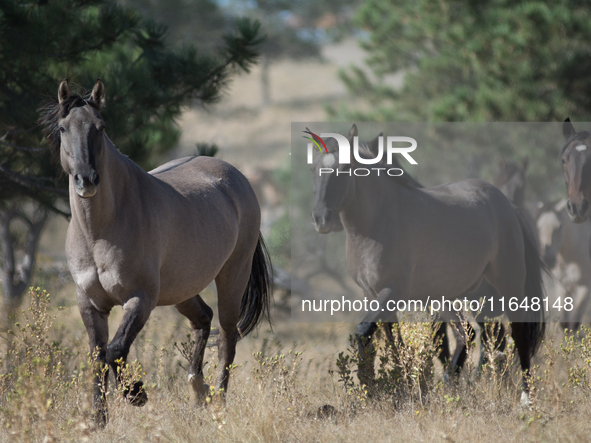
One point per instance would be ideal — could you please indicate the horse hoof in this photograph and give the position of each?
(101, 418)
(447, 378)
(137, 395)
(525, 401)
(200, 388)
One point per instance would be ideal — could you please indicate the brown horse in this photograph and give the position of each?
(577, 171)
(511, 181)
(142, 240)
(409, 243)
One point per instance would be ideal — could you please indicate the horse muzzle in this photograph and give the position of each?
(578, 213)
(86, 185)
(323, 223)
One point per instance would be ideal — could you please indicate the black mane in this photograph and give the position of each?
(509, 170)
(405, 179)
(50, 114)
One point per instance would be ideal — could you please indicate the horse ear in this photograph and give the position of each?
(568, 130)
(63, 92)
(525, 163)
(98, 93)
(375, 144)
(352, 132)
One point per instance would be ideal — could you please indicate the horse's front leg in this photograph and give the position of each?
(365, 332)
(97, 327)
(136, 312)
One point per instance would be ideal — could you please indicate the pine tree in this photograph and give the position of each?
(149, 83)
(475, 61)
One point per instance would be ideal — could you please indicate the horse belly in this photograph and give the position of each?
(183, 276)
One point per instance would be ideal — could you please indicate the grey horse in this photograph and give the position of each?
(142, 240)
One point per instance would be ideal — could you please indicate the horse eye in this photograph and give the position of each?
(62, 129)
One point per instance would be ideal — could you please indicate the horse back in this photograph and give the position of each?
(211, 211)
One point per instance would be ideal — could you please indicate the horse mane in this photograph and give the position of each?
(583, 135)
(509, 169)
(50, 113)
(405, 179)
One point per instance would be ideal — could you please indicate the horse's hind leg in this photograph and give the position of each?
(230, 283)
(441, 339)
(519, 334)
(97, 327)
(136, 312)
(200, 316)
(492, 338)
(464, 335)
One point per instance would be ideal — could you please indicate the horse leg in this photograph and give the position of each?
(388, 332)
(519, 280)
(200, 316)
(441, 338)
(231, 283)
(97, 327)
(463, 336)
(136, 312)
(518, 332)
(365, 331)
(367, 352)
(495, 342)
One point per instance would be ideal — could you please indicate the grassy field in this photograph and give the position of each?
(289, 384)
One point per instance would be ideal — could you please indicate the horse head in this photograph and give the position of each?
(332, 184)
(81, 135)
(577, 171)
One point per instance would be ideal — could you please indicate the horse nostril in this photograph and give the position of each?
(570, 208)
(95, 179)
(315, 220)
(78, 180)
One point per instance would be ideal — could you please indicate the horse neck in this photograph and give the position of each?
(519, 199)
(365, 204)
(573, 245)
(116, 185)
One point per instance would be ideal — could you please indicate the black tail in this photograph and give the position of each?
(257, 297)
(534, 326)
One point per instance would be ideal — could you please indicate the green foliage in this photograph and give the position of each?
(475, 61)
(277, 375)
(296, 28)
(147, 82)
(196, 21)
(33, 368)
(576, 351)
(405, 368)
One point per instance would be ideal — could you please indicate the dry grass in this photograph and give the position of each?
(288, 385)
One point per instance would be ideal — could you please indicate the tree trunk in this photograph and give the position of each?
(16, 277)
(265, 86)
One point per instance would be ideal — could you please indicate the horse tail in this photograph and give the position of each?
(257, 296)
(534, 326)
